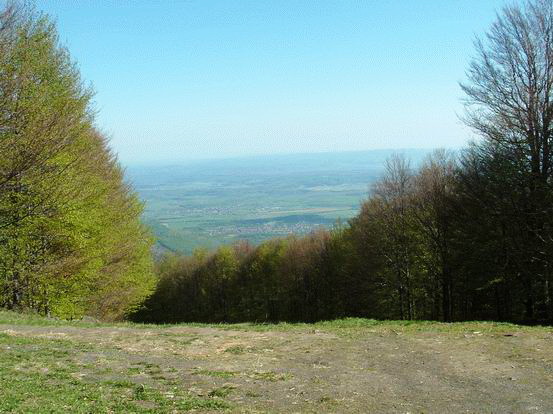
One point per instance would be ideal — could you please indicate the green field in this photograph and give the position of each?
(208, 203)
(351, 365)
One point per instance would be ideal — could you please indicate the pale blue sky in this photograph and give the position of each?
(204, 79)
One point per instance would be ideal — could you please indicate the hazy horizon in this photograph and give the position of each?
(207, 80)
(280, 155)
(209, 203)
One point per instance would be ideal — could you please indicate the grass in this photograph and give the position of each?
(270, 376)
(32, 319)
(335, 326)
(221, 392)
(349, 326)
(47, 375)
(236, 349)
(257, 375)
(217, 374)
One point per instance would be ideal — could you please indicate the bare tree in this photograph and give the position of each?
(510, 83)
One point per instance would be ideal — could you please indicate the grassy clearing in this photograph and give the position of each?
(47, 375)
(349, 365)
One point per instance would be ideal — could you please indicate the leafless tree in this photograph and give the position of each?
(510, 84)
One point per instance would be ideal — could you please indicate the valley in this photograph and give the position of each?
(208, 203)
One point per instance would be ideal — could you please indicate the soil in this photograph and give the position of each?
(308, 371)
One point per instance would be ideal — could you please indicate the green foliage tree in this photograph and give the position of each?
(70, 237)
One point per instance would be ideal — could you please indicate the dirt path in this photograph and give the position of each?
(314, 371)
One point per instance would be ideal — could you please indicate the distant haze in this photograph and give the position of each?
(212, 202)
(180, 80)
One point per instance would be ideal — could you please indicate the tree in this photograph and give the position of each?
(71, 241)
(432, 199)
(391, 207)
(490, 233)
(509, 104)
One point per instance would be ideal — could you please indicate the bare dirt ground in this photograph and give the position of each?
(325, 369)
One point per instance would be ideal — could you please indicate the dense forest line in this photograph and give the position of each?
(435, 243)
(465, 236)
(71, 240)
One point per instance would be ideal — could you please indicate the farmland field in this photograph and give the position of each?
(349, 366)
(208, 203)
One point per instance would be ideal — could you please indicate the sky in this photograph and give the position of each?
(181, 80)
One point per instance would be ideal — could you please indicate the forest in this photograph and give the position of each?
(467, 235)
